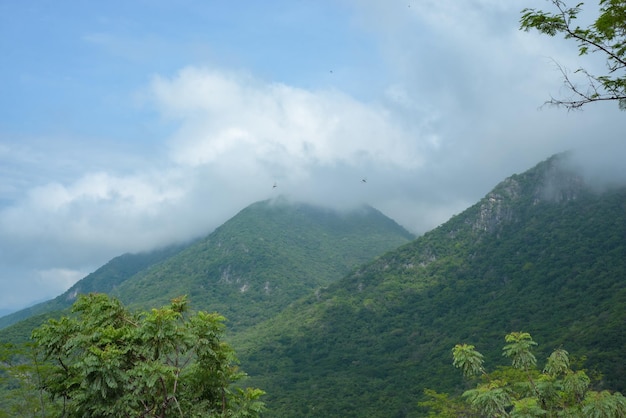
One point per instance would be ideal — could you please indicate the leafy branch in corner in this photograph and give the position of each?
(606, 35)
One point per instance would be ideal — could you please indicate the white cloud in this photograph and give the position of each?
(57, 280)
(236, 136)
(232, 116)
(456, 113)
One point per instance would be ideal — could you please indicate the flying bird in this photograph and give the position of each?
(274, 186)
(363, 180)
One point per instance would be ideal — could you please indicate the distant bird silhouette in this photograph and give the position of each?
(363, 180)
(274, 186)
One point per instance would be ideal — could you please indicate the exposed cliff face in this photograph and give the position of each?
(498, 206)
(560, 182)
(551, 181)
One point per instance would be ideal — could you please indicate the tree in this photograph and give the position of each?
(107, 361)
(20, 383)
(606, 35)
(521, 390)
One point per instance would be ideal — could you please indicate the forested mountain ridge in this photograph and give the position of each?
(542, 252)
(103, 280)
(263, 258)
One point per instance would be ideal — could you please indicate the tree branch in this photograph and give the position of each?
(572, 33)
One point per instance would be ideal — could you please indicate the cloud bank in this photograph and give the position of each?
(452, 111)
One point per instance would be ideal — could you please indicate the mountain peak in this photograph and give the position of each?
(551, 181)
(561, 182)
(542, 252)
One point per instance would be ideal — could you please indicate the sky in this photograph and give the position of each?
(128, 125)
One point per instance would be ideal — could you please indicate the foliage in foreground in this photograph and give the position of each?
(521, 390)
(106, 361)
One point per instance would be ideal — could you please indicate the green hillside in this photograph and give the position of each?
(541, 253)
(264, 258)
(257, 263)
(103, 280)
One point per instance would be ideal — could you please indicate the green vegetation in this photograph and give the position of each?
(254, 265)
(521, 390)
(267, 256)
(103, 280)
(540, 249)
(106, 361)
(606, 35)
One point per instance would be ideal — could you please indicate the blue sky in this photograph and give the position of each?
(59, 55)
(126, 125)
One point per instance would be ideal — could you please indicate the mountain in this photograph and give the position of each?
(542, 252)
(264, 258)
(103, 280)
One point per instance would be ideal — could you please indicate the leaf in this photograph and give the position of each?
(518, 350)
(467, 359)
(558, 363)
